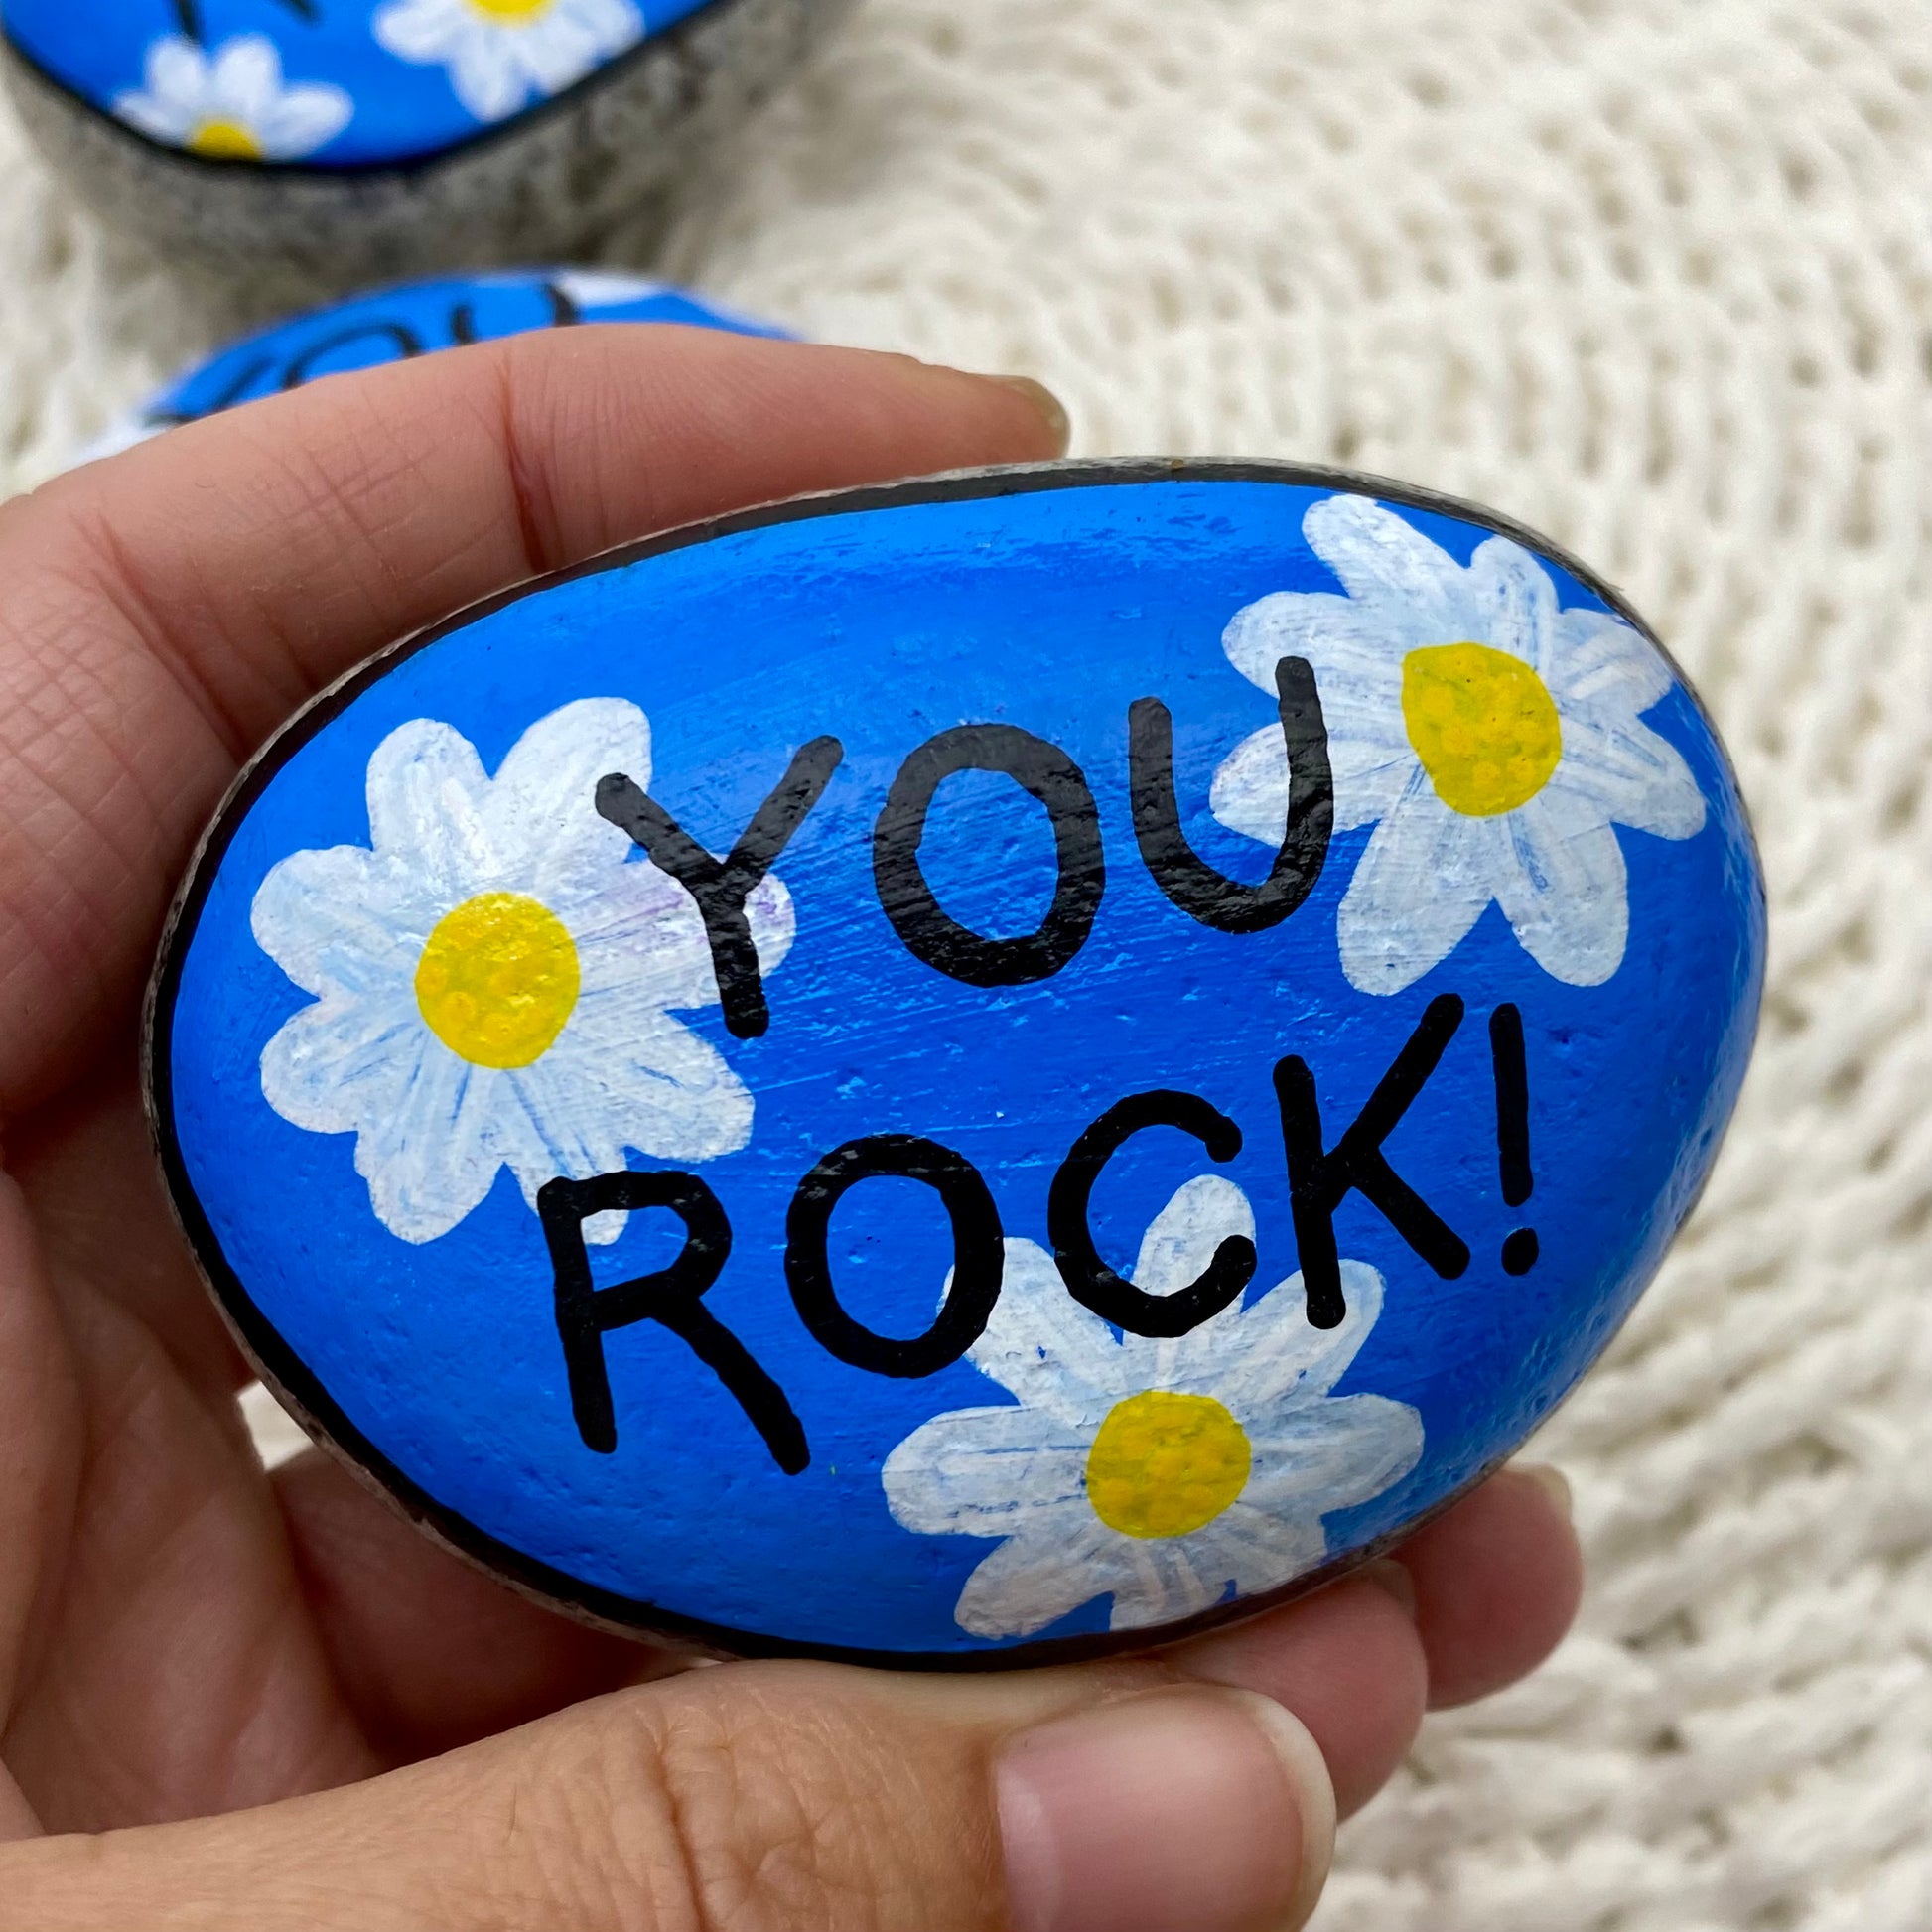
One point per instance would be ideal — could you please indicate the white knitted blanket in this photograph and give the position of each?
(1655, 276)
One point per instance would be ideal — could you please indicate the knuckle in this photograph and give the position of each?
(758, 1811)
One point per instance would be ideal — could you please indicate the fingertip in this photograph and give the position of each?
(1554, 1485)
(1498, 1579)
(1046, 406)
(1187, 1809)
(1346, 1661)
(934, 416)
(618, 428)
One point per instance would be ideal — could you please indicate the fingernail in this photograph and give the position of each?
(1053, 412)
(1386, 1574)
(1552, 1482)
(1197, 1810)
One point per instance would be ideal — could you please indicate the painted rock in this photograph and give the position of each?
(412, 318)
(352, 139)
(966, 1071)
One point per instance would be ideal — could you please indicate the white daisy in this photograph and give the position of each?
(1492, 739)
(501, 53)
(231, 105)
(1163, 1472)
(603, 288)
(495, 978)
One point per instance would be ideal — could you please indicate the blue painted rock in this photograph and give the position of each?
(966, 1071)
(412, 318)
(352, 139)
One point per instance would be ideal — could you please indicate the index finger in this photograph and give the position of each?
(165, 608)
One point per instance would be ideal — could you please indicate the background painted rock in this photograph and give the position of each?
(481, 986)
(391, 325)
(335, 84)
(345, 139)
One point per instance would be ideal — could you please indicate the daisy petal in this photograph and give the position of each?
(426, 787)
(640, 937)
(576, 36)
(1331, 1455)
(1348, 645)
(303, 120)
(563, 54)
(1181, 1241)
(419, 30)
(657, 1088)
(487, 78)
(154, 118)
(1249, 794)
(177, 77)
(612, 24)
(1035, 1579)
(336, 918)
(982, 1471)
(1566, 896)
(1388, 564)
(541, 806)
(245, 80)
(1166, 1584)
(1602, 658)
(1631, 776)
(426, 1159)
(1257, 1552)
(1250, 790)
(1178, 1248)
(769, 912)
(1046, 1348)
(335, 1066)
(1424, 880)
(1258, 1357)
(641, 944)
(1512, 603)
(599, 288)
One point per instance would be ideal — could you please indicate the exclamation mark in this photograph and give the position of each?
(1513, 1131)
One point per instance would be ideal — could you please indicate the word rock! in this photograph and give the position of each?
(395, 325)
(347, 139)
(983, 1069)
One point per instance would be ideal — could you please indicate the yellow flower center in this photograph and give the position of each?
(1483, 725)
(497, 979)
(224, 141)
(1164, 1464)
(512, 12)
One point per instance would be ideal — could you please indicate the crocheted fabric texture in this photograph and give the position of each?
(1656, 278)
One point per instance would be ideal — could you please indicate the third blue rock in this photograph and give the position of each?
(346, 140)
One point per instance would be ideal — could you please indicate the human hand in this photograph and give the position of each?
(283, 1706)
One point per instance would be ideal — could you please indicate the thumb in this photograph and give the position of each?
(767, 1798)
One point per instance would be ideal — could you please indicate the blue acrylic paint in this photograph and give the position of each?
(1022, 1060)
(392, 325)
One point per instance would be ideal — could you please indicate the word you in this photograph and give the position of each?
(1046, 773)
(399, 341)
